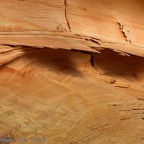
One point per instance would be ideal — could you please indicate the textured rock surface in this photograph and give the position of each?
(72, 71)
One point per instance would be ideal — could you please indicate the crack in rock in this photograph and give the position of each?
(66, 17)
(125, 30)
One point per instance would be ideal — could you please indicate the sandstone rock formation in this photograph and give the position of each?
(72, 71)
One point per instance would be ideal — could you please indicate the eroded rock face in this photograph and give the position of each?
(72, 71)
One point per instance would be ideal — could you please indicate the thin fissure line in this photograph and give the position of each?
(65, 3)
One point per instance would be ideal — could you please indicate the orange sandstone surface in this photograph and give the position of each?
(72, 71)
